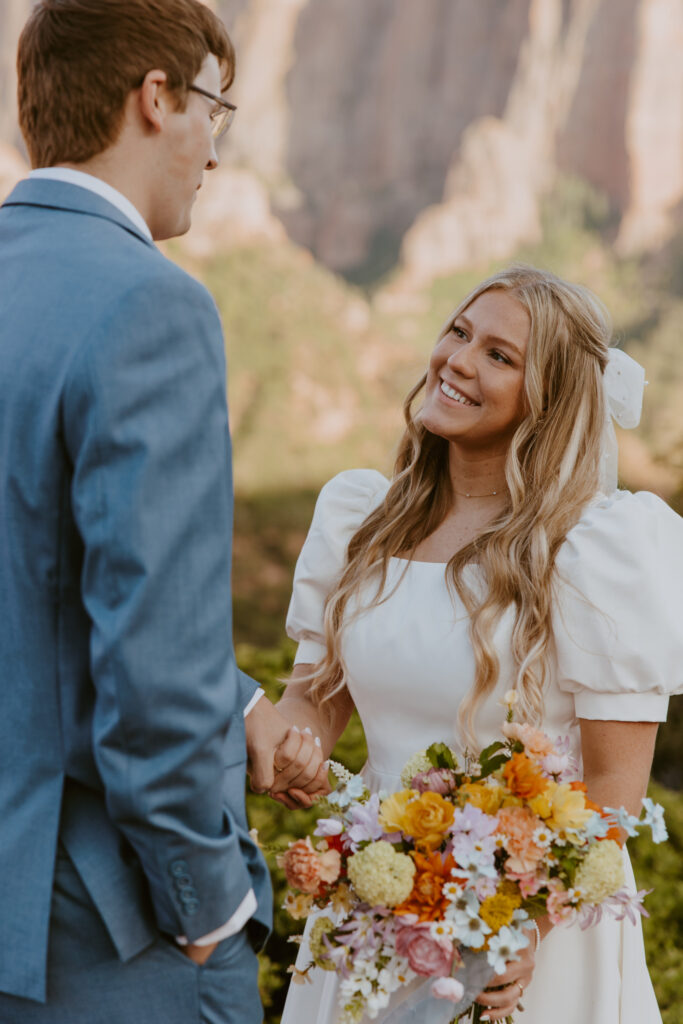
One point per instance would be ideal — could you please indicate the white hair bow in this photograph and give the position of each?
(624, 383)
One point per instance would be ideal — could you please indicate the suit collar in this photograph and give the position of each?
(59, 195)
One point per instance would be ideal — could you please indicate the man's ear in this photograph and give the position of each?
(154, 100)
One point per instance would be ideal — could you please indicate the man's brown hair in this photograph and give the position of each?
(78, 60)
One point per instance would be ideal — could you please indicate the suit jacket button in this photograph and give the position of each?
(191, 906)
(188, 892)
(178, 868)
(182, 882)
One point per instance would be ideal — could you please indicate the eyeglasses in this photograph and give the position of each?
(220, 119)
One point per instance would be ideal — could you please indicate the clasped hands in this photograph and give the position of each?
(282, 760)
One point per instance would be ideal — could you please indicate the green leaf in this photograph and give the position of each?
(492, 748)
(440, 756)
(492, 764)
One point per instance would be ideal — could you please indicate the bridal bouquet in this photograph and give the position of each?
(433, 890)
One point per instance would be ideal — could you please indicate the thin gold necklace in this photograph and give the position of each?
(468, 494)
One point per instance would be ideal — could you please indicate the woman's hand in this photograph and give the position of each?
(301, 775)
(501, 1000)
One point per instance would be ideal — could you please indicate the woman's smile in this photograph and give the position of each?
(456, 395)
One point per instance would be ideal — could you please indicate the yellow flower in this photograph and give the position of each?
(341, 898)
(428, 819)
(298, 905)
(510, 800)
(380, 875)
(487, 796)
(541, 805)
(568, 807)
(497, 910)
(601, 874)
(321, 927)
(392, 810)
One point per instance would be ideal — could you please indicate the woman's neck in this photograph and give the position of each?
(476, 475)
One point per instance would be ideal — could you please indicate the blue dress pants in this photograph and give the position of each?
(88, 984)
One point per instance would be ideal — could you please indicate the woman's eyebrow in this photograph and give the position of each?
(491, 337)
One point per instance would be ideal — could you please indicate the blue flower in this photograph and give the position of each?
(596, 827)
(355, 787)
(623, 819)
(654, 817)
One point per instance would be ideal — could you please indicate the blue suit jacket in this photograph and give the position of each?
(121, 715)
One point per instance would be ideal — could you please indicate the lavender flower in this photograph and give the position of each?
(365, 825)
(561, 764)
(472, 822)
(328, 827)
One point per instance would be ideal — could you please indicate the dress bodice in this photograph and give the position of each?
(618, 645)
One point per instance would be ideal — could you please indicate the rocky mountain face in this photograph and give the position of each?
(386, 130)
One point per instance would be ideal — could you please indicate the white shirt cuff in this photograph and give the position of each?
(246, 909)
(254, 700)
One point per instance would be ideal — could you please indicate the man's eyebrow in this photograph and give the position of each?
(492, 337)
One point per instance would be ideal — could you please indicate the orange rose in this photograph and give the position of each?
(524, 777)
(428, 819)
(427, 899)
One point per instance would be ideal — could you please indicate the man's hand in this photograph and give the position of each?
(280, 757)
(198, 954)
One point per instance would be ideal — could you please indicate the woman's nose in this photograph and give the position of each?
(461, 360)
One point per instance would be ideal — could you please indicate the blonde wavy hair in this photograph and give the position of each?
(551, 469)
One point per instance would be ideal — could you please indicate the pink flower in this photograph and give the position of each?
(529, 884)
(535, 741)
(448, 988)
(517, 825)
(555, 764)
(435, 780)
(426, 955)
(559, 909)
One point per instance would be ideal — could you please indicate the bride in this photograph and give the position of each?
(501, 556)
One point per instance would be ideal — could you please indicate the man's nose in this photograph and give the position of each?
(212, 162)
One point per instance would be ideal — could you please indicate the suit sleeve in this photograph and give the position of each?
(145, 422)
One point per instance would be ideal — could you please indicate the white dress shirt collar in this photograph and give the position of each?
(101, 188)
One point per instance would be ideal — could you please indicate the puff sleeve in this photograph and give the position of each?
(343, 504)
(618, 622)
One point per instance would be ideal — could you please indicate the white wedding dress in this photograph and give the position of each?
(619, 648)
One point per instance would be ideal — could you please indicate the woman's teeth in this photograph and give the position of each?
(455, 395)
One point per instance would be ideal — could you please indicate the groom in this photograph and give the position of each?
(132, 892)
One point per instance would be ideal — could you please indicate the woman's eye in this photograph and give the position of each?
(459, 333)
(499, 357)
